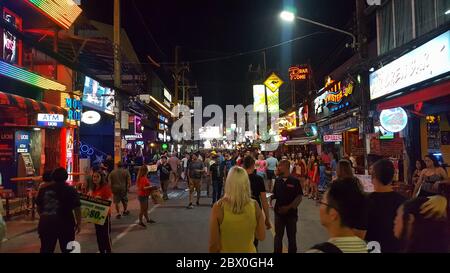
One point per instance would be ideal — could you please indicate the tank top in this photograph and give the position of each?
(427, 187)
(237, 231)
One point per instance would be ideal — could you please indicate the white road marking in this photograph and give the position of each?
(125, 232)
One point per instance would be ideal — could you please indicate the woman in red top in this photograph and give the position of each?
(144, 190)
(314, 177)
(102, 191)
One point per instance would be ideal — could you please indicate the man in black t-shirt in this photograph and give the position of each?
(258, 189)
(288, 193)
(217, 174)
(164, 175)
(382, 207)
(56, 204)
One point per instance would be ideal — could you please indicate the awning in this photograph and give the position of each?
(300, 141)
(30, 105)
(423, 95)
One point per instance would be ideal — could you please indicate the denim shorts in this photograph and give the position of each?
(143, 199)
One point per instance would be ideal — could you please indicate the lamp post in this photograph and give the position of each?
(290, 17)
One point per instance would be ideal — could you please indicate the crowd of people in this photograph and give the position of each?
(356, 221)
(243, 187)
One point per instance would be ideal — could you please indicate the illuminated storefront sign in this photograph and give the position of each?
(74, 108)
(22, 141)
(311, 130)
(303, 115)
(98, 97)
(167, 95)
(332, 138)
(137, 125)
(334, 98)
(12, 47)
(298, 73)
(28, 77)
(259, 98)
(63, 12)
(133, 137)
(90, 117)
(50, 120)
(273, 101)
(394, 120)
(292, 121)
(425, 62)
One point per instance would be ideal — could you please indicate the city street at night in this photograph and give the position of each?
(223, 135)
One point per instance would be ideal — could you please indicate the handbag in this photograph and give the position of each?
(156, 197)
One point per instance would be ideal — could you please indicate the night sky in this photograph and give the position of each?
(206, 29)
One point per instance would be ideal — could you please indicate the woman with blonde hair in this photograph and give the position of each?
(236, 219)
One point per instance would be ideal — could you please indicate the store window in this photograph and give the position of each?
(425, 16)
(400, 21)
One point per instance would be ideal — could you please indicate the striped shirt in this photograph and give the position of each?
(351, 244)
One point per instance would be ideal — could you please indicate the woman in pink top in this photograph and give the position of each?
(261, 166)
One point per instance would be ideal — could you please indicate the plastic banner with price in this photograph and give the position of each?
(94, 210)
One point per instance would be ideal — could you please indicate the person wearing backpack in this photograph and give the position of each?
(341, 206)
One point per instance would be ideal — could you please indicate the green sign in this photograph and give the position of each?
(164, 146)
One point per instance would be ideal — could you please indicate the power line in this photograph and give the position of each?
(249, 52)
(141, 18)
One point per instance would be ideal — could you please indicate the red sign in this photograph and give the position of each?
(332, 138)
(298, 73)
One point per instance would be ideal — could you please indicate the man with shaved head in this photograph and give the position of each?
(288, 193)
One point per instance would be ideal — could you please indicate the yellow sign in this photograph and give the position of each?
(273, 82)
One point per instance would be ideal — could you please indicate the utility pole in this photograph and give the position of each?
(117, 83)
(176, 74)
(362, 51)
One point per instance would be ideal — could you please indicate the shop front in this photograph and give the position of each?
(338, 118)
(410, 98)
(31, 135)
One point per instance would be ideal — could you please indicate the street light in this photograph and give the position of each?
(289, 17)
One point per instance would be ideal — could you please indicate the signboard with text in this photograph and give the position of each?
(332, 138)
(94, 210)
(423, 63)
(298, 73)
(50, 120)
(336, 97)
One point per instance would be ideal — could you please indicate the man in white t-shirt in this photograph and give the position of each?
(184, 165)
(342, 206)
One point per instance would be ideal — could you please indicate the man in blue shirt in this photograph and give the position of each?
(272, 163)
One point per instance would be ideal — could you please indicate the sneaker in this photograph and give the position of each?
(142, 224)
(151, 221)
(125, 213)
(165, 198)
(198, 203)
(118, 216)
(190, 206)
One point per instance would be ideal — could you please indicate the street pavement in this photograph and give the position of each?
(177, 229)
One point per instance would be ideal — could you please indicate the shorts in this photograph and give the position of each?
(262, 174)
(120, 197)
(194, 184)
(270, 174)
(143, 199)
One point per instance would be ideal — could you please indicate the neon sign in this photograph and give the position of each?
(63, 12)
(25, 76)
(298, 73)
(74, 108)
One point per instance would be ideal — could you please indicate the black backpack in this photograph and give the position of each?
(327, 247)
